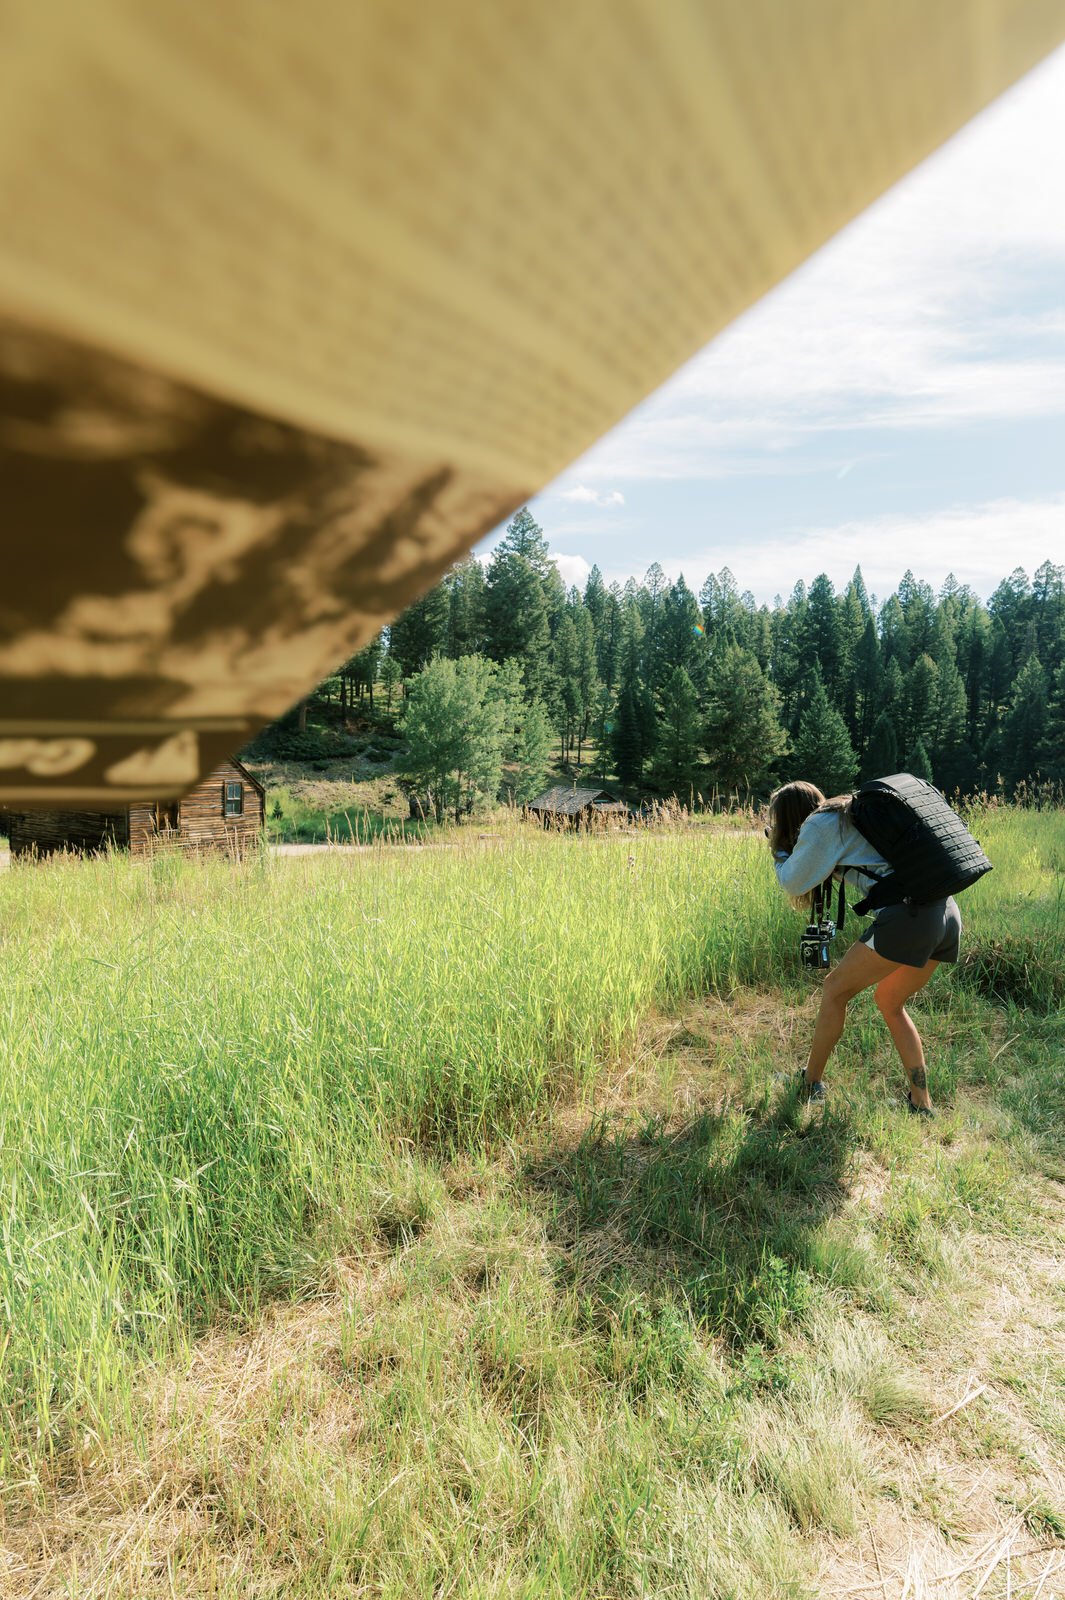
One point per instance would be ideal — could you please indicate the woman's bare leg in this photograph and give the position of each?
(859, 969)
(891, 996)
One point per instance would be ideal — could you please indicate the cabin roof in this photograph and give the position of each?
(565, 800)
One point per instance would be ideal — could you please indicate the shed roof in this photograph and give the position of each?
(566, 800)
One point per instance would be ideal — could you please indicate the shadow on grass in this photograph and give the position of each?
(727, 1220)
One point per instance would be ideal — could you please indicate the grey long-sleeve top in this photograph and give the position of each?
(826, 841)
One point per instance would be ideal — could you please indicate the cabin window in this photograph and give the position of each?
(234, 799)
(167, 817)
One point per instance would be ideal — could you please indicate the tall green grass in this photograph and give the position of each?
(1017, 913)
(330, 816)
(200, 1064)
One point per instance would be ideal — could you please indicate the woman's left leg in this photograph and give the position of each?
(860, 969)
(891, 997)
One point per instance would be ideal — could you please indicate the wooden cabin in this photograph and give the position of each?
(226, 812)
(567, 806)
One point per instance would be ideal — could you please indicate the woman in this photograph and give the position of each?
(814, 840)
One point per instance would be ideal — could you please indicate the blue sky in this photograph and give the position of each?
(898, 402)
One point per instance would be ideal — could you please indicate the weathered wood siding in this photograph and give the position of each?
(202, 822)
(203, 818)
(44, 832)
(142, 830)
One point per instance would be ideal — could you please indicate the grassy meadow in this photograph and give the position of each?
(434, 1222)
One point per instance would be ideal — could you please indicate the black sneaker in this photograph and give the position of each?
(918, 1111)
(815, 1093)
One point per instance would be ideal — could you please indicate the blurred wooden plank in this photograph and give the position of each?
(296, 302)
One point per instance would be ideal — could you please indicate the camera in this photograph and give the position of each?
(815, 945)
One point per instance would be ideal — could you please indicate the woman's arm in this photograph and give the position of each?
(817, 851)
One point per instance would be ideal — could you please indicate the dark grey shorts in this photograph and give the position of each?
(915, 935)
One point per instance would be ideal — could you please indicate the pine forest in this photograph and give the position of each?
(705, 694)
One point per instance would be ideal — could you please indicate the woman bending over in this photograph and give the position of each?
(814, 840)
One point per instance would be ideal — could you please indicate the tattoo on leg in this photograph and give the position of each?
(918, 1077)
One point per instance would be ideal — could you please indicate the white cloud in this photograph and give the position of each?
(574, 570)
(583, 496)
(980, 544)
(924, 312)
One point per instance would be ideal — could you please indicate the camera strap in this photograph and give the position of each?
(821, 901)
(876, 897)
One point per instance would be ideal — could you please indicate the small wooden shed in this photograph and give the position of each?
(566, 805)
(225, 812)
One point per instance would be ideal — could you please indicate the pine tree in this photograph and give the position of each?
(608, 638)
(894, 635)
(857, 586)
(991, 759)
(420, 632)
(678, 739)
(652, 608)
(957, 770)
(748, 628)
(918, 604)
(1011, 608)
(530, 751)
(893, 700)
(999, 673)
(868, 676)
(727, 616)
(760, 638)
(789, 666)
(465, 589)
(595, 593)
(882, 752)
(1048, 611)
(587, 675)
(949, 751)
(603, 714)
(391, 678)
(852, 623)
(823, 752)
(1025, 724)
(918, 764)
(627, 738)
(821, 633)
(972, 640)
(922, 696)
(743, 736)
(516, 622)
(359, 675)
(564, 650)
(1050, 755)
(635, 723)
(681, 643)
(525, 537)
(555, 596)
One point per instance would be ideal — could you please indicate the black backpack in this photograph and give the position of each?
(930, 851)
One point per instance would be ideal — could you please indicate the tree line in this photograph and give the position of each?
(498, 669)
